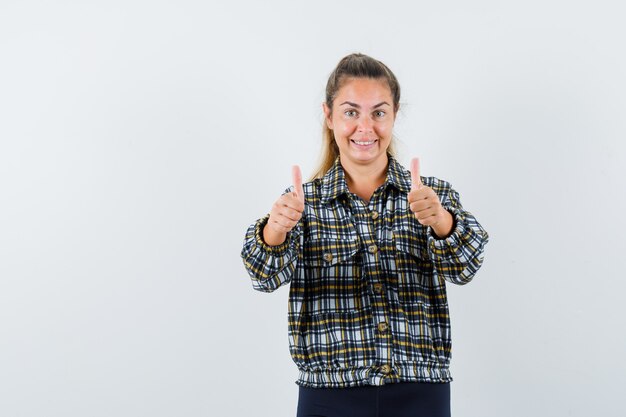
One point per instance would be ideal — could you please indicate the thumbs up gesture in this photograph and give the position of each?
(425, 205)
(286, 212)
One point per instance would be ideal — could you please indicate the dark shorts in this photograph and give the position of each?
(402, 399)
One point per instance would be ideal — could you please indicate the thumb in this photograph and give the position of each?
(416, 180)
(296, 177)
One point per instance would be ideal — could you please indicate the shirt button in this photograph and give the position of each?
(382, 327)
(378, 287)
(374, 214)
(372, 249)
(328, 257)
(385, 369)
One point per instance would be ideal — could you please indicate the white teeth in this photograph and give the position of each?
(364, 143)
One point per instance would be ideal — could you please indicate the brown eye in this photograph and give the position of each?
(380, 113)
(350, 113)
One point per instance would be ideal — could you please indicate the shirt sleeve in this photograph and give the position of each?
(270, 267)
(460, 255)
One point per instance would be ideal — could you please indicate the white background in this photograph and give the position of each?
(139, 139)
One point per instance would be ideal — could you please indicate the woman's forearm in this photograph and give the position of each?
(272, 237)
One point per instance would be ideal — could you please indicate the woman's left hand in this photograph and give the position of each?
(425, 204)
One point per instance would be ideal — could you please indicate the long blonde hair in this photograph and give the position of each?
(352, 66)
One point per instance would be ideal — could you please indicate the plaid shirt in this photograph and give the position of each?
(367, 299)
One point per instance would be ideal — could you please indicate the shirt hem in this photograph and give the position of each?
(360, 376)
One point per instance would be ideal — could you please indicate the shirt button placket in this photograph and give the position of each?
(369, 233)
(368, 224)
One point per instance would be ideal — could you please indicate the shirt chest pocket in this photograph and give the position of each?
(333, 275)
(328, 251)
(412, 242)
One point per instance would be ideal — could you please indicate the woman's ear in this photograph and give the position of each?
(327, 116)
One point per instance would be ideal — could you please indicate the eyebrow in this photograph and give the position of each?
(358, 107)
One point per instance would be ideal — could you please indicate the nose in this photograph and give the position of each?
(365, 124)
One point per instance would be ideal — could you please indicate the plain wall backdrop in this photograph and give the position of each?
(139, 139)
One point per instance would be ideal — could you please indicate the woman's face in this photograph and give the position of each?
(362, 120)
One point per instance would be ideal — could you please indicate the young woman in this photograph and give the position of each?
(366, 247)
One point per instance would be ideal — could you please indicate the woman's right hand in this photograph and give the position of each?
(286, 212)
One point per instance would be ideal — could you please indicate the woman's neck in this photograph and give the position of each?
(363, 180)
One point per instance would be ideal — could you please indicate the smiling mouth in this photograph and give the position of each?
(363, 142)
